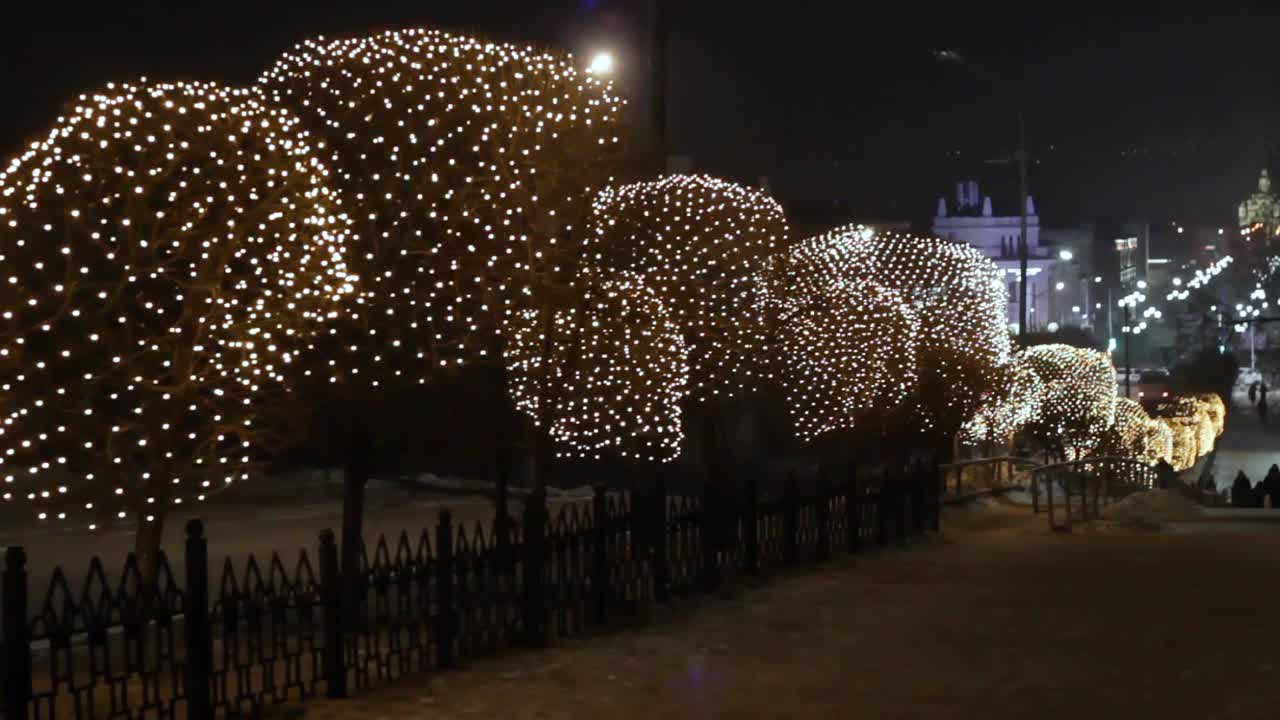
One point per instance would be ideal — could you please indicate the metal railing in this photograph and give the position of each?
(1078, 490)
(981, 476)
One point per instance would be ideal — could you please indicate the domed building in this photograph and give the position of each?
(1260, 213)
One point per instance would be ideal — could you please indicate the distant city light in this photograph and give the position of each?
(1053, 327)
(1060, 286)
(1065, 255)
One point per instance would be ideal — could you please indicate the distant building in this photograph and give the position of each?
(1260, 212)
(1057, 290)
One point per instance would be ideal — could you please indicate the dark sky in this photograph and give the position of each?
(1137, 113)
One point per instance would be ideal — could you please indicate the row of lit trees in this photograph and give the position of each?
(202, 279)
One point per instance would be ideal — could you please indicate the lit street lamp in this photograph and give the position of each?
(602, 63)
(1003, 87)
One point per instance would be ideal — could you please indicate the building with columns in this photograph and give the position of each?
(1054, 285)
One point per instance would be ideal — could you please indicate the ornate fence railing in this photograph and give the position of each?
(274, 629)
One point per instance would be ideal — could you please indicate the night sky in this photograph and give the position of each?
(1142, 114)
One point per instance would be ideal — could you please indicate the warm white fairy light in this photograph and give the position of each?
(1135, 434)
(1079, 400)
(709, 248)
(959, 300)
(469, 166)
(619, 372)
(848, 344)
(1196, 422)
(1012, 402)
(167, 248)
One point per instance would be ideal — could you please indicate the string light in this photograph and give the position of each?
(620, 372)
(848, 344)
(1012, 402)
(959, 298)
(167, 250)
(708, 247)
(1079, 400)
(469, 167)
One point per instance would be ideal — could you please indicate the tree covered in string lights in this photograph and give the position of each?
(1195, 422)
(709, 248)
(959, 299)
(1079, 400)
(1012, 402)
(469, 166)
(168, 249)
(848, 344)
(1135, 434)
(619, 363)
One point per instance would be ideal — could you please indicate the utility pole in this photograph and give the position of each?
(1023, 191)
(659, 43)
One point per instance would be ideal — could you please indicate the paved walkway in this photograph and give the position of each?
(998, 619)
(1246, 444)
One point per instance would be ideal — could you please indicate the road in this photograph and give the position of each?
(1246, 444)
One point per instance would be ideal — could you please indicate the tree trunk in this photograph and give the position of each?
(146, 551)
(354, 478)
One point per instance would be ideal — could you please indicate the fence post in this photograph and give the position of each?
(196, 624)
(823, 517)
(709, 533)
(335, 666)
(790, 518)
(501, 505)
(446, 610)
(853, 509)
(17, 642)
(534, 607)
(751, 523)
(600, 549)
(1035, 493)
(661, 561)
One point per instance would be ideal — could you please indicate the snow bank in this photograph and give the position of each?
(1152, 509)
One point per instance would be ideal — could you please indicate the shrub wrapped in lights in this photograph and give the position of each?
(1012, 403)
(620, 369)
(1079, 396)
(1195, 423)
(960, 301)
(469, 167)
(708, 247)
(168, 248)
(848, 354)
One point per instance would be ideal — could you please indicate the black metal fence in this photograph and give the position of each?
(264, 634)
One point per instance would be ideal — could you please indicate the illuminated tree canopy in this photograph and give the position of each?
(1012, 403)
(168, 248)
(1195, 423)
(709, 248)
(959, 299)
(1134, 434)
(619, 369)
(468, 166)
(848, 344)
(1079, 400)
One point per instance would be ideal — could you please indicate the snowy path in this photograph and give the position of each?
(999, 620)
(1246, 444)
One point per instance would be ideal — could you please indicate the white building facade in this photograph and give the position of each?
(1054, 294)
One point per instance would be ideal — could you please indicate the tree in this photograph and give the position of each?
(848, 344)
(1134, 434)
(1079, 397)
(168, 247)
(959, 299)
(469, 167)
(621, 365)
(1012, 402)
(710, 249)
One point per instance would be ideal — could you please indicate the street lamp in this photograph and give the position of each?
(602, 63)
(1003, 87)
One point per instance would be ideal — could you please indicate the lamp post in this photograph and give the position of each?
(1023, 190)
(659, 30)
